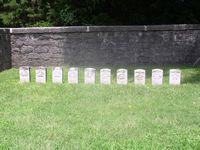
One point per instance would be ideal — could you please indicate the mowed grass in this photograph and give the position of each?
(99, 117)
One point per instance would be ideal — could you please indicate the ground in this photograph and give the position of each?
(49, 116)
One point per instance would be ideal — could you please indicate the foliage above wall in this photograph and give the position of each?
(21, 13)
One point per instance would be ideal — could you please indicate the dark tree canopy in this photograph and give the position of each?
(21, 13)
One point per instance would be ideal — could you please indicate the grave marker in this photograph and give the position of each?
(157, 77)
(57, 76)
(89, 75)
(41, 74)
(105, 76)
(24, 74)
(73, 75)
(175, 77)
(139, 77)
(122, 76)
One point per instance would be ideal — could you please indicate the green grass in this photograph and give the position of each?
(49, 116)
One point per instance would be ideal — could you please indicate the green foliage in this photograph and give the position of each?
(18, 13)
(67, 16)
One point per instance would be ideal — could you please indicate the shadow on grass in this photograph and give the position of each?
(192, 79)
(191, 75)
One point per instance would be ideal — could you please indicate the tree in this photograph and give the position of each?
(21, 13)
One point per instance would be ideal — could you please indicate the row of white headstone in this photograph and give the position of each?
(105, 76)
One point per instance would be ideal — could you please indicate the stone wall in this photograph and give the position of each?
(5, 49)
(106, 45)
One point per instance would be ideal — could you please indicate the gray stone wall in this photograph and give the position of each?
(5, 49)
(106, 45)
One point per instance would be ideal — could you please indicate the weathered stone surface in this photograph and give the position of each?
(117, 45)
(122, 76)
(175, 77)
(73, 75)
(89, 75)
(24, 74)
(57, 75)
(157, 77)
(40, 73)
(105, 76)
(26, 49)
(100, 45)
(42, 49)
(139, 77)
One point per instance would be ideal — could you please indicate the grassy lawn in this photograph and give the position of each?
(49, 116)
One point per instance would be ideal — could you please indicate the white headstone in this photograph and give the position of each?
(175, 77)
(122, 76)
(90, 75)
(105, 76)
(157, 77)
(73, 75)
(57, 75)
(40, 74)
(139, 77)
(24, 74)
